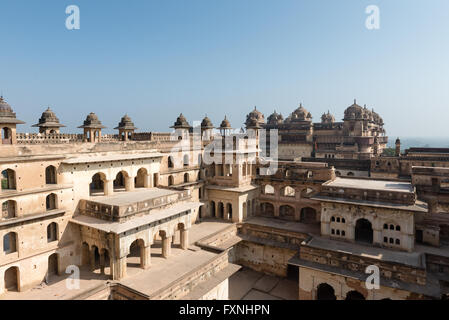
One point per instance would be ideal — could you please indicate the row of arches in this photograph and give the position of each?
(185, 161)
(288, 212)
(8, 178)
(122, 182)
(287, 191)
(11, 276)
(9, 207)
(11, 239)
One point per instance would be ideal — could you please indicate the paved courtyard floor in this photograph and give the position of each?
(251, 285)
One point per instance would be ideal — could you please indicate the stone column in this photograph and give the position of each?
(119, 268)
(147, 181)
(129, 183)
(166, 247)
(102, 266)
(276, 210)
(145, 256)
(377, 236)
(185, 239)
(92, 259)
(108, 187)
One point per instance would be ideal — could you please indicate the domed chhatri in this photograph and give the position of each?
(225, 127)
(300, 114)
(92, 128)
(6, 113)
(181, 123)
(8, 123)
(275, 118)
(327, 118)
(206, 123)
(49, 123)
(254, 119)
(126, 128)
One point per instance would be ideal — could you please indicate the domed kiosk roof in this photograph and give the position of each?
(126, 124)
(206, 123)
(49, 120)
(181, 123)
(92, 122)
(7, 116)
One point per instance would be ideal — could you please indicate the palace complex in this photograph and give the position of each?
(212, 213)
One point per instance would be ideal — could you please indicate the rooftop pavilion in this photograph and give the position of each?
(377, 193)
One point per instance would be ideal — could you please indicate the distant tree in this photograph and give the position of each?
(389, 152)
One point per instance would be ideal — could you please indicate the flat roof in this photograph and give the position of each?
(369, 184)
(131, 197)
(120, 227)
(113, 157)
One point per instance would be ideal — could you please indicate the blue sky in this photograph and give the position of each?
(154, 59)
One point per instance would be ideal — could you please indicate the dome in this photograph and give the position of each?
(327, 118)
(181, 122)
(126, 123)
(301, 114)
(255, 118)
(206, 123)
(48, 119)
(275, 118)
(225, 124)
(6, 113)
(92, 122)
(356, 112)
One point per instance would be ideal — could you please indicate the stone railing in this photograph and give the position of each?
(37, 138)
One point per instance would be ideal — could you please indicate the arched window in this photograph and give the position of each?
(171, 181)
(325, 292)
(269, 189)
(385, 226)
(6, 136)
(170, 162)
(52, 232)
(119, 182)
(186, 177)
(8, 179)
(50, 202)
(50, 175)
(398, 242)
(186, 160)
(8, 209)
(10, 242)
(398, 228)
(333, 219)
(288, 191)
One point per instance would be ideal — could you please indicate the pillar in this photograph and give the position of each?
(166, 246)
(108, 187)
(184, 239)
(102, 266)
(92, 259)
(129, 183)
(118, 268)
(145, 257)
(147, 181)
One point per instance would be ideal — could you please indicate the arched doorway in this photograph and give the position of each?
(266, 209)
(12, 279)
(308, 215)
(96, 186)
(363, 231)
(50, 175)
(8, 179)
(220, 210)
(229, 211)
(119, 182)
(6, 135)
(325, 292)
(287, 212)
(141, 178)
(212, 209)
(135, 256)
(53, 269)
(354, 295)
